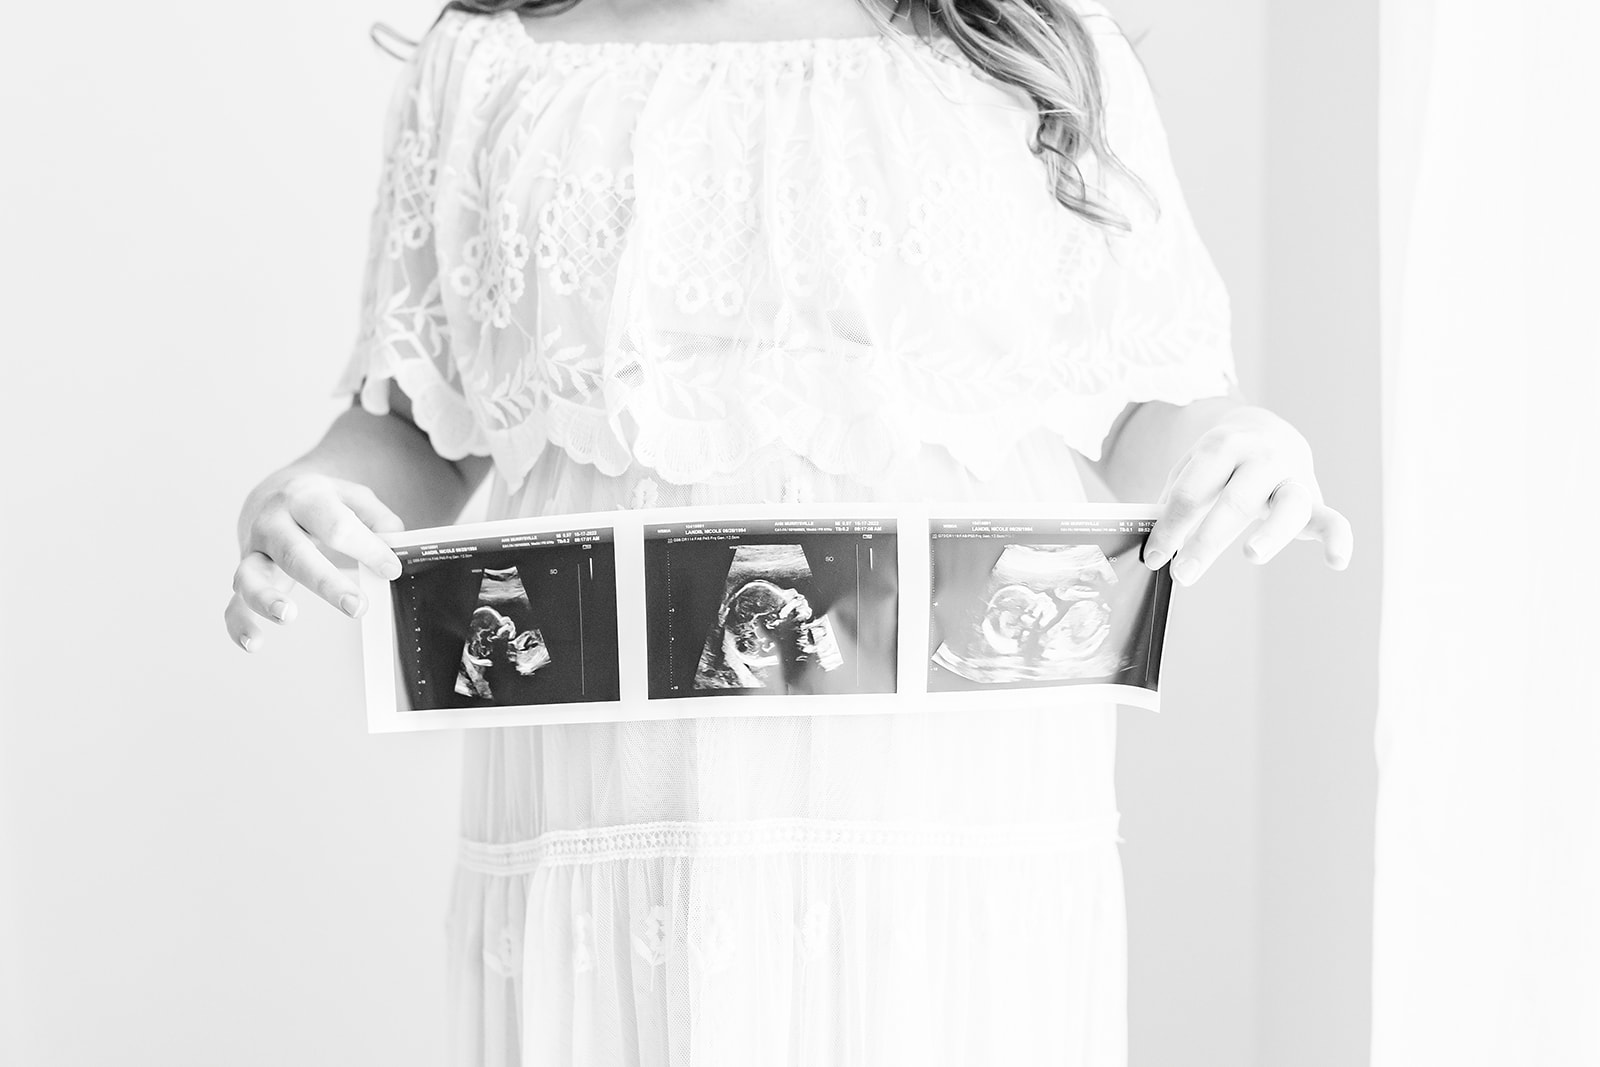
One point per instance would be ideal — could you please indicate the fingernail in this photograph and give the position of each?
(1252, 551)
(350, 605)
(1185, 571)
(281, 610)
(1154, 560)
(391, 570)
(246, 643)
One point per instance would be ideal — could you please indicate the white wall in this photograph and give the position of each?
(214, 863)
(1187, 779)
(1319, 649)
(203, 857)
(1249, 804)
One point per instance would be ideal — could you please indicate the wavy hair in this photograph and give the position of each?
(1041, 47)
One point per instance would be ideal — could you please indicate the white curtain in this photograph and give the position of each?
(1487, 902)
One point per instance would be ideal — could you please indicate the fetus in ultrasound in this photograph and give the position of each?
(1043, 614)
(766, 635)
(496, 649)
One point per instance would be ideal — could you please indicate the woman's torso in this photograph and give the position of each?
(800, 271)
(692, 273)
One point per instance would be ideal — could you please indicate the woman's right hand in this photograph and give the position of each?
(285, 524)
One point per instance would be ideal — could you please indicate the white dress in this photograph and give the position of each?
(826, 269)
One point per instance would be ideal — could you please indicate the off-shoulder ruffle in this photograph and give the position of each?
(676, 258)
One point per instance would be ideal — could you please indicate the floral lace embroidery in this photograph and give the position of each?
(794, 490)
(717, 948)
(409, 184)
(692, 63)
(490, 275)
(582, 227)
(650, 939)
(582, 943)
(502, 958)
(812, 932)
(645, 493)
(673, 260)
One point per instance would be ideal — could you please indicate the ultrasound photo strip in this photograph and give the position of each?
(767, 610)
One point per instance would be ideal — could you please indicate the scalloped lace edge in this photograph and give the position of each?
(980, 441)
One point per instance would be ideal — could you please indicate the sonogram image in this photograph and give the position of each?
(503, 622)
(754, 608)
(766, 635)
(1042, 613)
(497, 649)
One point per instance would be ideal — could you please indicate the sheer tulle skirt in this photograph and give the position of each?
(954, 937)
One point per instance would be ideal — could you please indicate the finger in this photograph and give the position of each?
(262, 586)
(291, 549)
(1331, 528)
(1172, 476)
(244, 625)
(1187, 500)
(1291, 510)
(327, 518)
(1241, 502)
(369, 509)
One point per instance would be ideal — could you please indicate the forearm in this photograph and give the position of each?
(1150, 440)
(393, 458)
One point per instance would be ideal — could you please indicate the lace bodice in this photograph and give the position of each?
(681, 259)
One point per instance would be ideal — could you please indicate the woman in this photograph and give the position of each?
(640, 253)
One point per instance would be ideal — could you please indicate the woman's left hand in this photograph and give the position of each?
(1250, 475)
